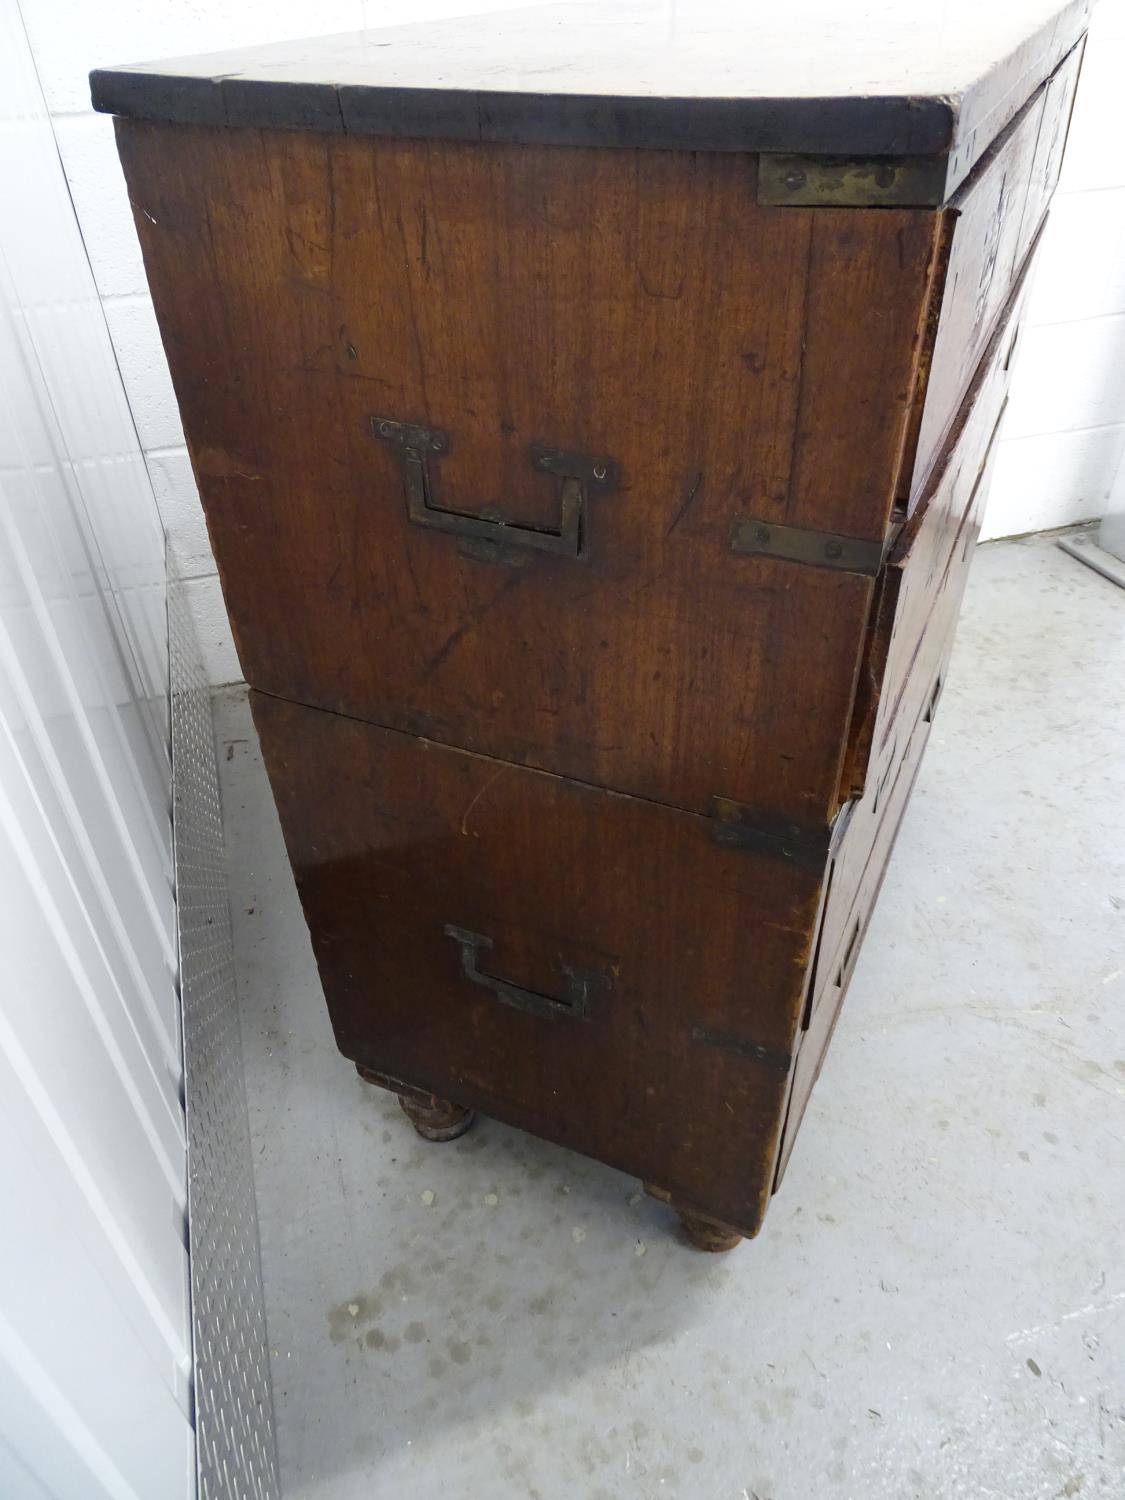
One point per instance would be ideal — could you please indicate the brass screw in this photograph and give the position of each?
(795, 179)
(833, 549)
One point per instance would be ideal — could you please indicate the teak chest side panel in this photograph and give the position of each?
(728, 359)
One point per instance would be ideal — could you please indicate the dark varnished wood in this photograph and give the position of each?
(393, 839)
(835, 965)
(433, 1118)
(708, 1234)
(908, 658)
(997, 216)
(437, 1120)
(929, 562)
(588, 835)
(640, 306)
(699, 1229)
(875, 80)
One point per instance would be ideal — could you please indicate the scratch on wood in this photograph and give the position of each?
(772, 1058)
(488, 785)
(216, 463)
(683, 510)
(463, 629)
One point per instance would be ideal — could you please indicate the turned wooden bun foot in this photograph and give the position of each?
(434, 1119)
(707, 1234)
(437, 1120)
(699, 1230)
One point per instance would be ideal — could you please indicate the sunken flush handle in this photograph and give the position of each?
(578, 476)
(578, 987)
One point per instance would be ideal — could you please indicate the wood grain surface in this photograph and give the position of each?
(930, 555)
(997, 215)
(730, 358)
(908, 660)
(393, 838)
(876, 80)
(496, 765)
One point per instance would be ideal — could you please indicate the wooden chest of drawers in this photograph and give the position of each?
(592, 421)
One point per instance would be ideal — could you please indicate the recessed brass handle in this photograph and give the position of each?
(579, 475)
(578, 987)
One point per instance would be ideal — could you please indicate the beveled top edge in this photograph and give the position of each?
(821, 79)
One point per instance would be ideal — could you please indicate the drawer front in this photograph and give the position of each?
(905, 667)
(923, 581)
(587, 966)
(859, 864)
(854, 889)
(914, 676)
(995, 218)
(475, 428)
(1058, 105)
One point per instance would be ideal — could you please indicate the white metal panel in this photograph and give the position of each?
(104, 1444)
(69, 686)
(86, 420)
(95, 1348)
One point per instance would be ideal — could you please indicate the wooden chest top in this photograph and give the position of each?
(871, 79)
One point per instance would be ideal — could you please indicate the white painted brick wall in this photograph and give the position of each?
(68, 38)
(1066, 424)
(1064, 432)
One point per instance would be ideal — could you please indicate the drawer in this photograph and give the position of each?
(476, 428)
(859, 858)
(920, 588)
(589, 967)
(993, 221)
(1058, 106)
(904, 669)
(856, 879)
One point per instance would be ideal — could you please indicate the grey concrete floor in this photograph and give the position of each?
(936, 1306)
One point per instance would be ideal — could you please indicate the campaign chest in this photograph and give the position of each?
(593, 415)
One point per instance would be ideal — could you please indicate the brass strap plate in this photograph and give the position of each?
(818, 549)
(848, 182)
(735, 826)
(770, 1057)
